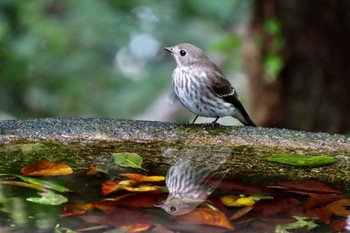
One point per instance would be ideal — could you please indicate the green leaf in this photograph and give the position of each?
(59, 229)
(300, 223)
(126, 159)
(48, 198)
(43, 183)
(301, 161)
(260, 197)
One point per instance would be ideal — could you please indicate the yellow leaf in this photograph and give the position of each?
(139, 188)
(236, 201)
(142, 178)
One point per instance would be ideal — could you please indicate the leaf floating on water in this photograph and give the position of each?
(46, 168)
(301, 161)
(237, 201)
(23, 184)
(300, 223)
(313, 186)
(141, 178)
(206, 217)
(48, 198)
(127, 159)
(43, 183)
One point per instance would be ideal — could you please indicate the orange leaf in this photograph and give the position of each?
(339, 207)
(138, 227)
(141, 178)
(46, 168)
(110, 187)
(74, 208)
(93, 171)
(206, 217)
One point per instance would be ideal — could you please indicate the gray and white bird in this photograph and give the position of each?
(202, 88)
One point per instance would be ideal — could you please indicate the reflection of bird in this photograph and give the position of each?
(201, 87)
(187, 186)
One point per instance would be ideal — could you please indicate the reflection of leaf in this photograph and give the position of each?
(237, 201)
(128, 160)
(141, 178)
(23, 184)
(206, 217)
(301, 161)
(300, 223)
(138, 227)
(74, 208)
(43, 183)
(46, 168)
(276, 206)
(48, 198)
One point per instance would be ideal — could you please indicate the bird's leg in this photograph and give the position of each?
(213, 124)
(194, 119)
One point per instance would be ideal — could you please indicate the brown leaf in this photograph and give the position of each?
(142, 178)
(241, 212)
(231, 185)
(339, 207)
(206, 217)
(131, 200)
(276, 206)
(313, 186)
(93, 171)
(75, 208)
(125, 216)
(46, 168)
(317, 200)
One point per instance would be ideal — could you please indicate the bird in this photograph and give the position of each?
(186, 182)
(202, 88)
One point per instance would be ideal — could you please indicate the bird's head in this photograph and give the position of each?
(186, 55)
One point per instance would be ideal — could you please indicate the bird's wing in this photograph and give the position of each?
(221, 87)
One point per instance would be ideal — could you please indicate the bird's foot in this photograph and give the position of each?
(212, 124)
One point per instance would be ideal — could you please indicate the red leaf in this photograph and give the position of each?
(276, 206)
(313, 186)
(231, 185)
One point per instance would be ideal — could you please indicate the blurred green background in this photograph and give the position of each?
(87, 58)
(288, 60)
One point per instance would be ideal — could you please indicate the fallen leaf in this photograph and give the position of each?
(300, 222)
(23, 184)
(128, 160)
(301, 160)
(237, 201)
(206, 217)
(139, 188)
(241, 212)
(46, 168)
(110, 187)
(313, 186)
(339, 207)
(317, 200)
(131, 200)
(48, 198)
(126, 216)
(142, 178)
(75, 208)
(138, 227)
(95, 171)
(42, 183)
(276, 206)
(233, 185)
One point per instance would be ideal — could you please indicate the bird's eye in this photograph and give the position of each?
(183, 52)
(173, 208)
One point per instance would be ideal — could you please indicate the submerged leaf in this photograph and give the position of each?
(237, 201)
(48, 198)
(206, 217)
(46, 168)
(300, 223)
(301, 161)
(23, 184)
(128, 160)
(43, 183)
(142, 178)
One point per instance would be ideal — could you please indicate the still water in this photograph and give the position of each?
(103, 199)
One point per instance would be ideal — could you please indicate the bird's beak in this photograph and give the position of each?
(169, 49)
